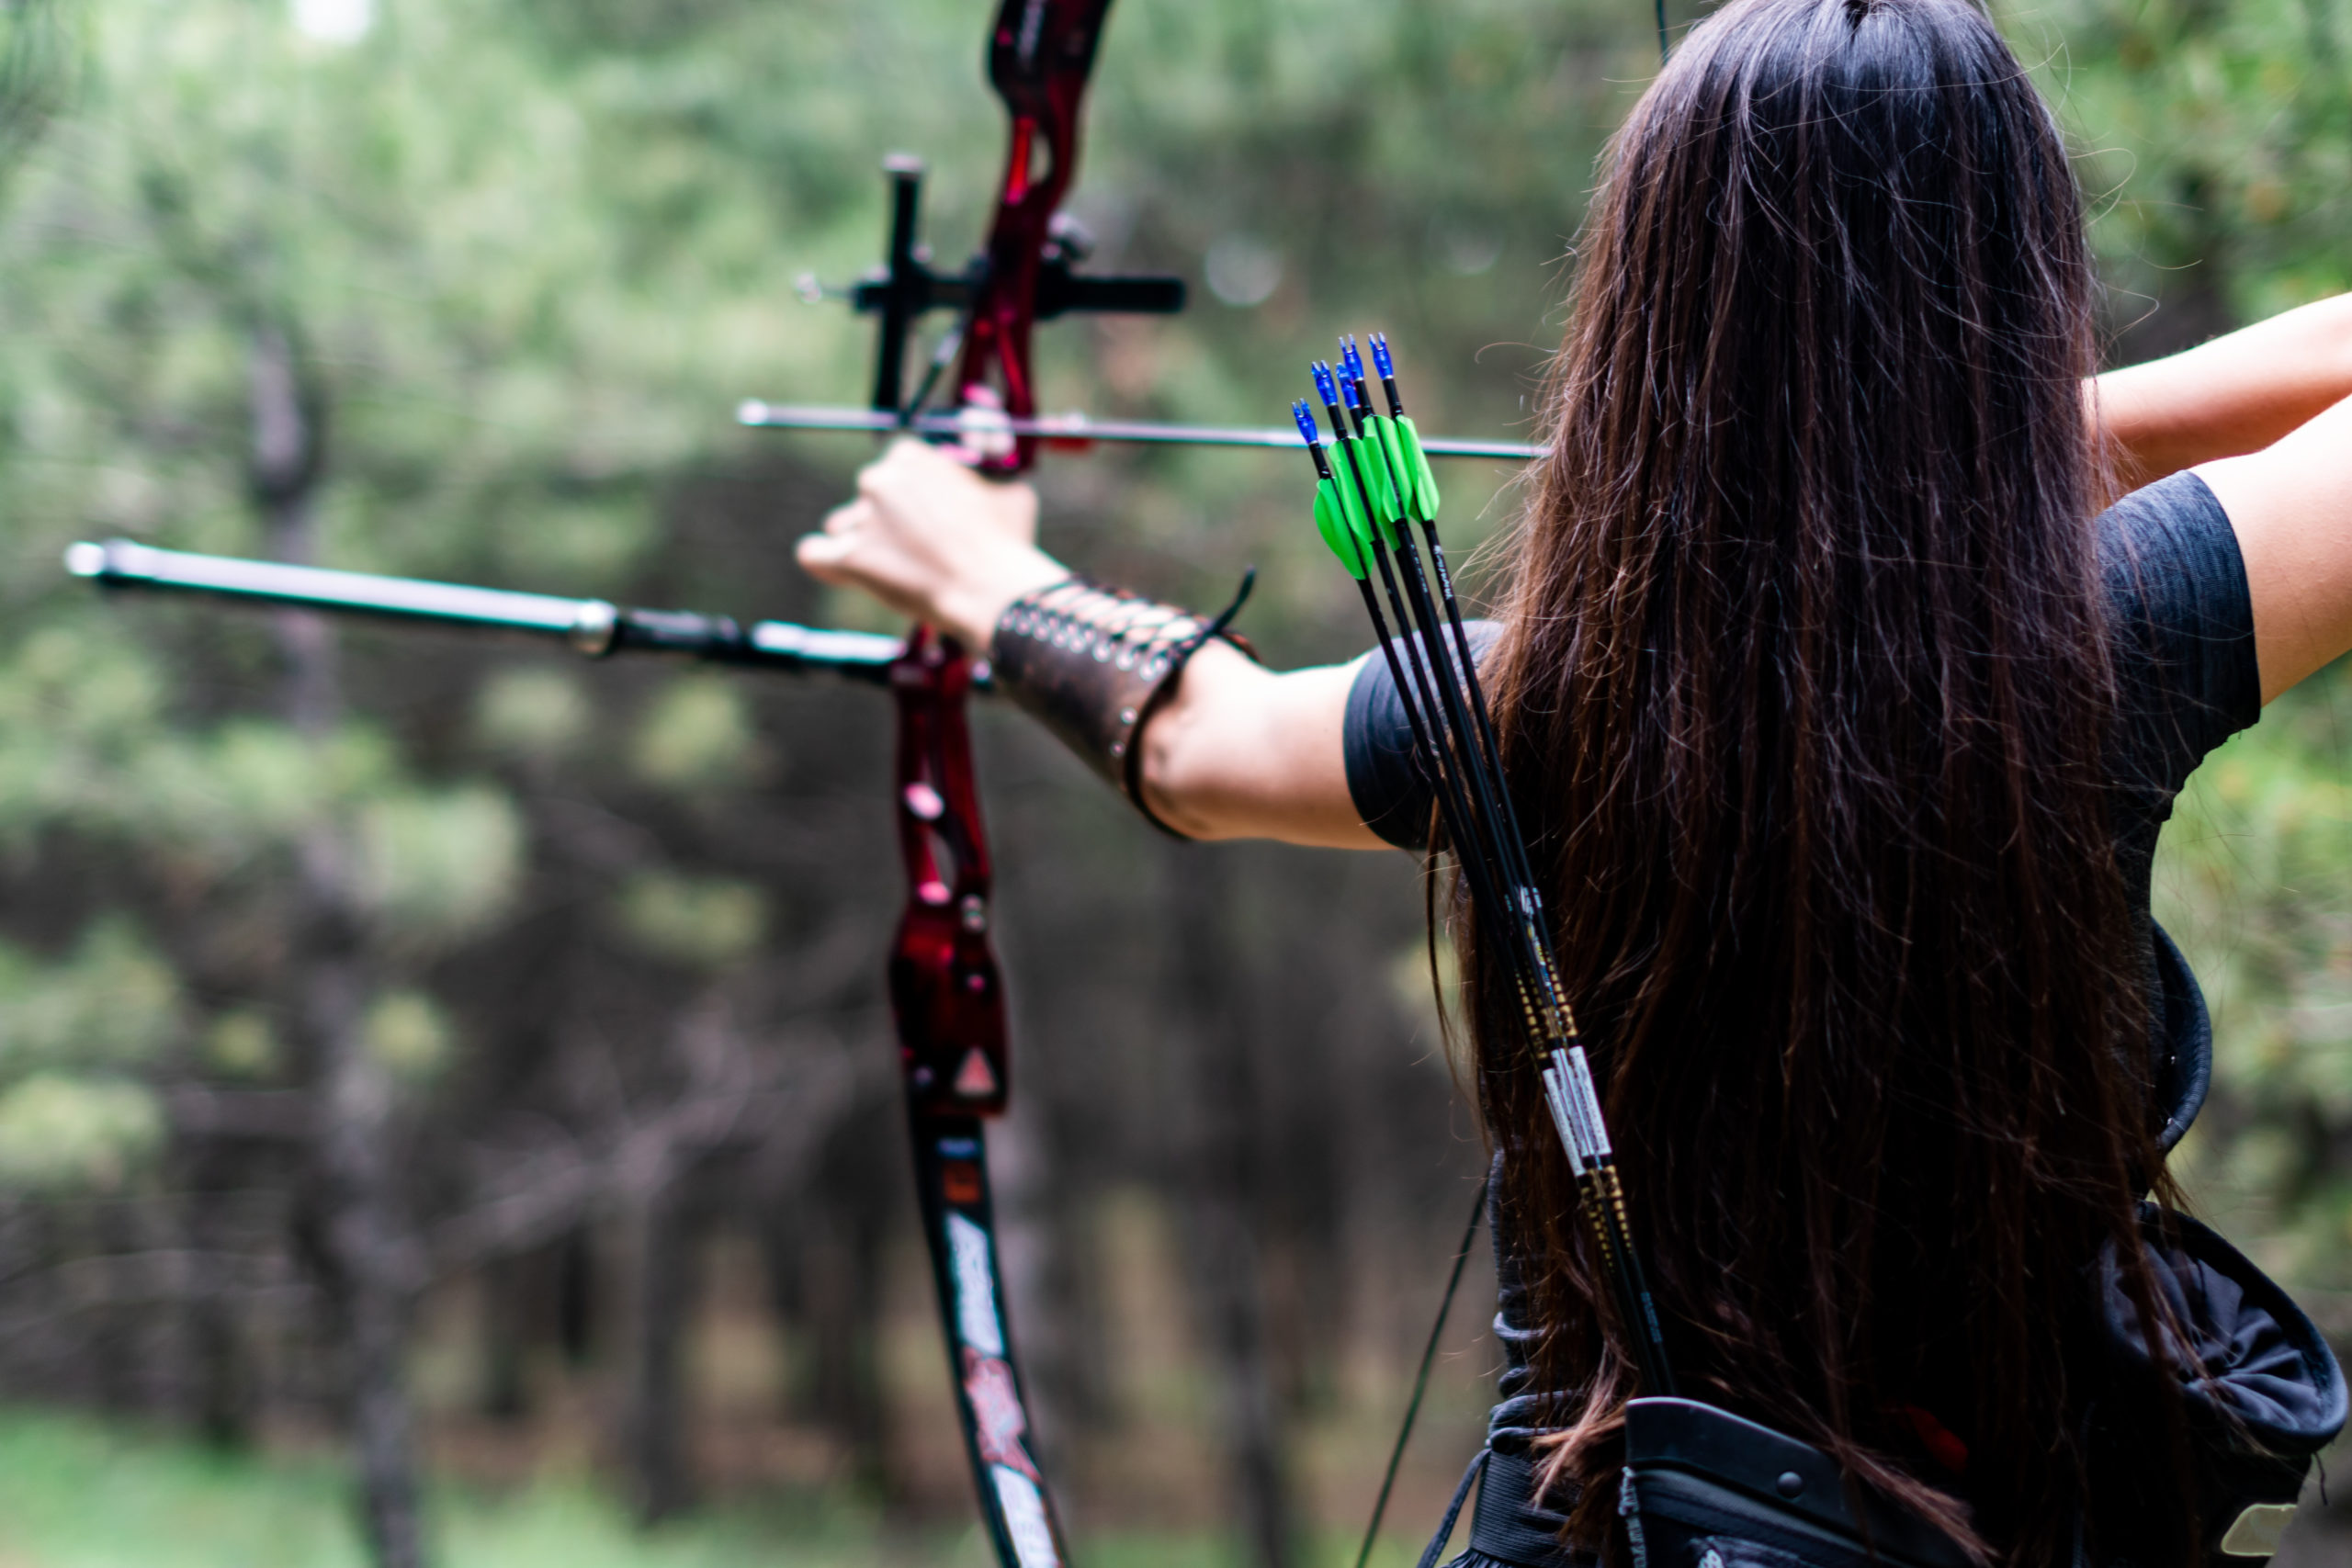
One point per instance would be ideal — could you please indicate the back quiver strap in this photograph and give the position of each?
(2258, 1395)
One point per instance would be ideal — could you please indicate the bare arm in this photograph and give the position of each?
(2234, 395)
(1242, 752)
(2290, 505)
(2264, 417)
(1239, 752)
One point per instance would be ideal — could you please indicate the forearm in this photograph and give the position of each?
(1241, 753)
(1215, 748)
(1199, 737)
(2236, 394)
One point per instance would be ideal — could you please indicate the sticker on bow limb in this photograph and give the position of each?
(975, 1079)
(976, 1324)
(959, 1181)
(1024, 1507)
(998, 1420)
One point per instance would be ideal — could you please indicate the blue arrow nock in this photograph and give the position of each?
(1307, 425)
(1359, 402)
(1325, 384)
(1380, 360)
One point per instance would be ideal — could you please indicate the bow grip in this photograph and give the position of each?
(946, 991)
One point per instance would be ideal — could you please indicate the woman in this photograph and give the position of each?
(1842, 720)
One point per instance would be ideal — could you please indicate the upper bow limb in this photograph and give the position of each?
(1236, 751)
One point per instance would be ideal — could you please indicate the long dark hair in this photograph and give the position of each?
(1804, 688)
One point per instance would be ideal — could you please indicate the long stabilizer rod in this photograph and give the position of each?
(980, 425)
(593, 627)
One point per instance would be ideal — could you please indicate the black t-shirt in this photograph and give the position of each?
(2184, 667)
(2183, 654)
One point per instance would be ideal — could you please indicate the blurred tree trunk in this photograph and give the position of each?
(1037, 1154)
(509, 1291)
(2193, 247)
(659, 1250)
(114, 1327)
(1210, 1035)
(372, 1266)
(824, 1257)
(577, 1321)
(1046, 1301)
(220, 1387)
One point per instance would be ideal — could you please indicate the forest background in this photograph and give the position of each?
(447, 1110)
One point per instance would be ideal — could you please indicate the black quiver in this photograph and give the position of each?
(1704, 1488)
(2254, 1396)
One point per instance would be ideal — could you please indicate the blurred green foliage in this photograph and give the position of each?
(2253, 884)
(74, 1033)
(68, 1130)
(409, 1033)
(532, 254)
(2219, 156)
(697, 733)
(704, 923)
(537, 249)
(75, 1493)
(110, 1002)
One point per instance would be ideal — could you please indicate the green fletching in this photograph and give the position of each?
(1424, 481)
(1351, 502)
(1332, 521)
(1393, 467)
(1364, 461)
(1382, 474)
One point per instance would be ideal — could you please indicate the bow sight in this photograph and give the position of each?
(904, 289)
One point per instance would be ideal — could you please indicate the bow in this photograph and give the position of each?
(945, 990)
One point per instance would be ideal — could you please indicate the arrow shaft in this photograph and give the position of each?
(947, 425)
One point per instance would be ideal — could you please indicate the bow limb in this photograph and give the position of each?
(945, 989)
(1040, 54)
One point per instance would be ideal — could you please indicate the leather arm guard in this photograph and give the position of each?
(1093, 664)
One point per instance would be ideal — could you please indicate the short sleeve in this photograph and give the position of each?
(1391, 796)
(2183, 631)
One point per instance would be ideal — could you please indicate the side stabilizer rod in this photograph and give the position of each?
(595, 628)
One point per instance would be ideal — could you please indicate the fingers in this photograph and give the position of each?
(908, 463)
(823, 557)
(827, 556)
(916, 456)
(839, 560)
